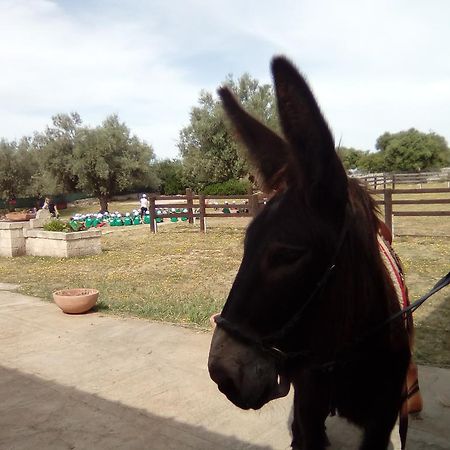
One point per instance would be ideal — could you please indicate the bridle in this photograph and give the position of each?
(268, 344)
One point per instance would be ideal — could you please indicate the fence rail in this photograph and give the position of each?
(388, 201)
(200, 206)
(385, 180)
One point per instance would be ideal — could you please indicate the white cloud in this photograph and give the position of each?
(55, 64)
(375, 66)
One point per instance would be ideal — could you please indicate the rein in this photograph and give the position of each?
(444, 281)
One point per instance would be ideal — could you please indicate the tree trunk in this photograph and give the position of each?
(103, 203)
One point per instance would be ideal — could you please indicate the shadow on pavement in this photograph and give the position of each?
(40, 414)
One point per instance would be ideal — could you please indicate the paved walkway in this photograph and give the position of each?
(98, 382)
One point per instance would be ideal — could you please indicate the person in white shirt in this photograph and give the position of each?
(144, 205)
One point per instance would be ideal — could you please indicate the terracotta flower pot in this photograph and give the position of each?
(75, 301)
(19, 216)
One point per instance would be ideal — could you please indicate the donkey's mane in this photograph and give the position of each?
(361, 200)
(366, 283)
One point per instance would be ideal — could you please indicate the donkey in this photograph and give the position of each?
(312, 290)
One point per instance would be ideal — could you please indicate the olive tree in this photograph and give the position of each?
(208, 150)
(108, 160)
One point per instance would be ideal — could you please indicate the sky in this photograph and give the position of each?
(374, 66)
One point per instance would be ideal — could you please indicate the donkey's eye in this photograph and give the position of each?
(285, 256)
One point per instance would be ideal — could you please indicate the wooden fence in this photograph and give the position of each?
(385, 180)
(203, 206)
(388, 202)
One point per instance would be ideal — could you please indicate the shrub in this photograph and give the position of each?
(230, 187)
(56, 225)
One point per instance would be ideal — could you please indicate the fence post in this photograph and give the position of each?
(388, 210)
(189, 204)
(393, 181)
(253, 204)
(202, 208)
(153, 213)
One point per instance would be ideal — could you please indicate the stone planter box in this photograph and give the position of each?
(62, 245)
(12, 240)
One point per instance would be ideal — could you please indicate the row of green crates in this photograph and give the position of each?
(98, 221)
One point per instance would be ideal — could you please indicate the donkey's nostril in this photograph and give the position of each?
(218, 374)
(215, 369)
(223, 379)
(227, 387)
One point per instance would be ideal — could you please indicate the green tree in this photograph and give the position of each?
(8, 170)
(372, 162)
(208, 150)
(230, 187)
(413, 151)
(17, 168)
(350, 157)
(170, 174)
(55, 147)
(28, 163)
(107, 160)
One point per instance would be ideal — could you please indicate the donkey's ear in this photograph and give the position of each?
(306, 129)
(268, 152)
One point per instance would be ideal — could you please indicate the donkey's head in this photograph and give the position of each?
(289, 245)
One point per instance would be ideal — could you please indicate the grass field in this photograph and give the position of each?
(180, 275)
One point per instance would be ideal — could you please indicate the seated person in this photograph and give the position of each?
(51, 206)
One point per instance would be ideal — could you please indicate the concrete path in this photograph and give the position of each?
(97, 382)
